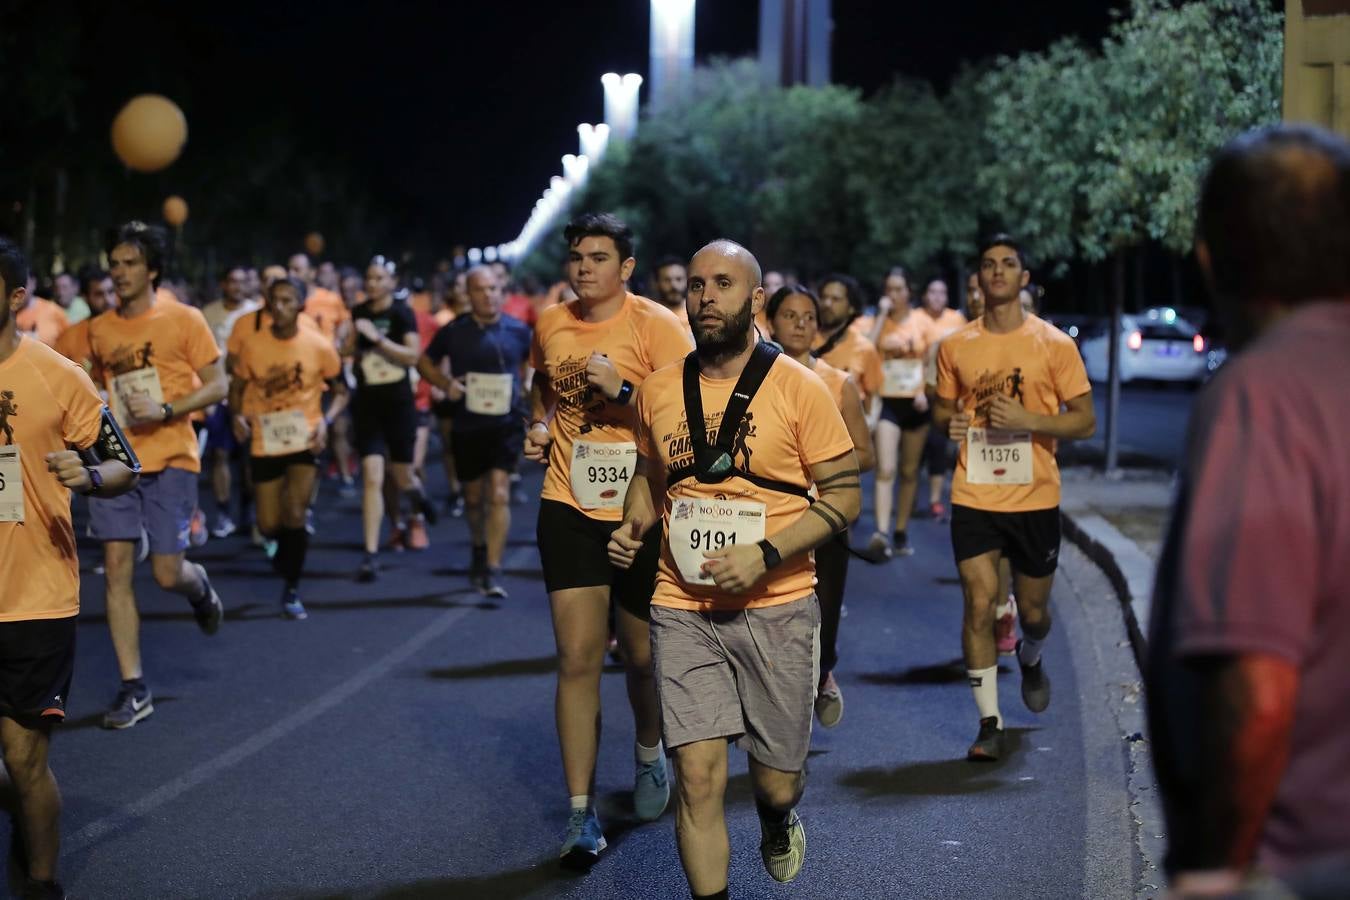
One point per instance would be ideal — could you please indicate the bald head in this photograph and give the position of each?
(482, 272)
(735, 254)
(724, 295)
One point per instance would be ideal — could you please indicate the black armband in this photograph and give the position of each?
(110, 444)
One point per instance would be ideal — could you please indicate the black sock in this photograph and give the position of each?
(136, 684)
(480, 556)
(717, 895)
(770, 816)
(292, 545)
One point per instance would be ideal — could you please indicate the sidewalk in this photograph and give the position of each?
(1119, 523)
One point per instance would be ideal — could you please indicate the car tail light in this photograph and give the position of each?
(1198, 343)
(1135, 341)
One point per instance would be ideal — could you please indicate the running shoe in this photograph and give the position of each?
(208, 610)
(348, 490)
(197, 533)
(651, 790)
(878, 548)
(937, 511)
(291, 607)
(427, 509)
(829, 702)
(417, 534)
(783, 848)
(988, 746)
(224, 526)
(584, 841)
(1005, 629)
(1035, 683)
(455, 505)
(612, 648)
(397, 540)
(902, 547)
(309, 522)
(128, 708)
(491, 586)
(368, 570)
(143, 547)
(43, 890)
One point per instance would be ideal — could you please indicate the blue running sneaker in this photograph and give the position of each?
(291, 607)
(584, 840)
(651, 790)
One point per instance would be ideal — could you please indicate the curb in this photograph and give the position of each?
(1126, 567)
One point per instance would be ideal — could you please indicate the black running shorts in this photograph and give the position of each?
(37, 659)
(1030, 540)
(574, 549)
(477, 451)
(385, 424)
(270, 468)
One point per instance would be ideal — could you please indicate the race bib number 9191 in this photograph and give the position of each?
(699, 525)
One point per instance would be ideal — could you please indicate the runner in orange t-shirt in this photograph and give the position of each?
(43, 320)
(672, 278)
(99, 294)
(794, 312)
(733, 441)
(1002, 381)
(844, 348)
(277, 387)
(149, 354)
(902, 335)
(588, 355)
(52, 427)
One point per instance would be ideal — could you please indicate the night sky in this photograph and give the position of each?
(459, 112)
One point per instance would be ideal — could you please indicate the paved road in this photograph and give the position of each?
(400, 743)
(1152, 424)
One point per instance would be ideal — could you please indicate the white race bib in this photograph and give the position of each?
(488, 395)
(601, 472)
(284, 433)
(904, 377)
(379, 370)
(998, 457)
(144, 382)
(698, 525)
(11, 484)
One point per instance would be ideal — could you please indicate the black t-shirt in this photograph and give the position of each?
(500, 348)
(394, 322)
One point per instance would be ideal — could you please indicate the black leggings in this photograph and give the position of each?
(831, 573)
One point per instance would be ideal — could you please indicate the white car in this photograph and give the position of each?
(1156, 344)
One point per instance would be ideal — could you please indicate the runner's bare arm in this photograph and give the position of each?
(856, 422)
(1077, 422)
(341, 397)
(213, 390)
(403, 354)
(72, 470)
(537, 437)
(439, 379)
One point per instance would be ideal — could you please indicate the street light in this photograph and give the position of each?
(475, 256)
(621, 102)
(672, 49)
(594, 140)
(489, 254)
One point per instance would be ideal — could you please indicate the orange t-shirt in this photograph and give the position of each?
(73, 344)
(948, 321)
(906, 340)
(792, 424)
(47, 404)
(43, 320)
(834, 379)
(855, 355)
(282, 375)
(643, 337)
(174, 340)
(1037, 364)
(327, 310)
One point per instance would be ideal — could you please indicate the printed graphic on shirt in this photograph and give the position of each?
(989, 385)
(572, 388)
(680, 447)
(128, 358)
(8, 407)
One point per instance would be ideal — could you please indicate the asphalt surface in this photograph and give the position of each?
(400, 743)
(1153, 419)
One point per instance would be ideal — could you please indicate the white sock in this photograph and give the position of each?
(984, 683)
(1003, 608)
(1029, 653)
(647, 754)
(581, 801)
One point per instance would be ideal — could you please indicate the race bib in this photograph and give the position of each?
(487, 395)
(379, 370)
(698, 525)
(994, 456)
(284, 433)
(11, 484)
(601, 472)
(143, 382)
(903, 377)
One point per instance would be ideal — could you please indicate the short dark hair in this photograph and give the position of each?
(89, 276)
(787, 290)
(236, 267)
(669, 260)
(13, 268)
(894, 271)
(851, 289)
(1275, 215)
(600, 225)
(151, 240)
(301, 289)
(1001, 239)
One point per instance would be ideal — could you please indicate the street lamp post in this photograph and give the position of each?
(672, 49)
(621, 103)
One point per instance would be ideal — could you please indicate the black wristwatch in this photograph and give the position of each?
(167, 409)
(771, 556)
(95, 481)
(625, 393)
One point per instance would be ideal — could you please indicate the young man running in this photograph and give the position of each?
(48, 406)
(1002, 381)
(150, 353)
(277, 384)
(589, 355)
(731, 442)
(488, 354)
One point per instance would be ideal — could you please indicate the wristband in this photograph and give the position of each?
(167, 409)
(95, 481)
(539, 422)
(625, 393)
(771, 555)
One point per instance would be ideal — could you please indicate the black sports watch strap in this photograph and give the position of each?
(771, 556)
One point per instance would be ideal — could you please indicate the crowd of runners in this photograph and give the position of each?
(702, 456)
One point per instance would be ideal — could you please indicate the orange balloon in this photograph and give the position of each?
(314, 243)
(149, 133)
(175, 210)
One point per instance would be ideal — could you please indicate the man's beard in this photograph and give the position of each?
(726, 339)
(832, 325)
